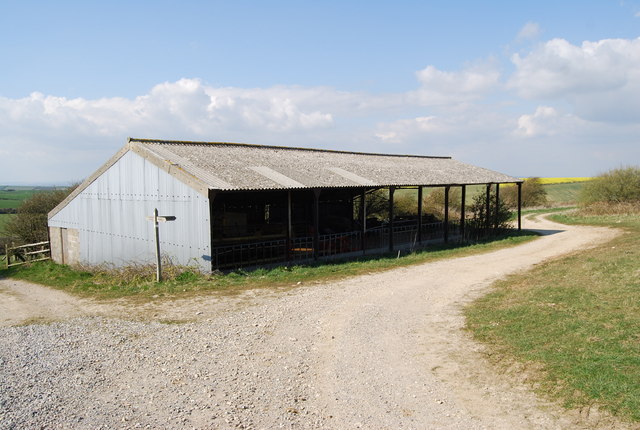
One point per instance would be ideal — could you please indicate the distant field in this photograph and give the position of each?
(549, 181)
(12, 199)
(563, 193)
(558, 193)
(11, 196)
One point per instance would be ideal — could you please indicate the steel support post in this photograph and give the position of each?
(497, 214)
(363, 221)
(289, 226)
(420, 214)
(462, 211)
(316, 223)
(519, 206)
(487, 221)
(446, 214)
(391, 192)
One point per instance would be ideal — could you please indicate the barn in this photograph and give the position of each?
(245, 205)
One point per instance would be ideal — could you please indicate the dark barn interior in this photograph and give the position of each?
(260, 227)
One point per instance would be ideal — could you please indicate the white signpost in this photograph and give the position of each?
(156, 220)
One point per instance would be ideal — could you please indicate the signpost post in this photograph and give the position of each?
(156, 220)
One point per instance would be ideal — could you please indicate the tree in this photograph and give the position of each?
(479, 210)
(30, 225)
(615, 186)
(377, 204)
(533, 194)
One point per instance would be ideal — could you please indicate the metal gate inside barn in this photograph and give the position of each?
(259, 228)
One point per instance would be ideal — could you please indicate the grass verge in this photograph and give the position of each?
(535, 212)
(575, 321)
(109, 284)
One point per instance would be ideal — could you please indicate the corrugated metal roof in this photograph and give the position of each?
(233, 166)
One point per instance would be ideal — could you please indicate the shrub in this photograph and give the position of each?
(434, 201)
(479, 209)
(30, 224)
(615, 186)
(533, 194)
(377, 205)
(404, 205)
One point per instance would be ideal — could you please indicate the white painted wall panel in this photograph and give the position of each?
(110, 215)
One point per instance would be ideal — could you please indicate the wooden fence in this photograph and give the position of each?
(16, 255)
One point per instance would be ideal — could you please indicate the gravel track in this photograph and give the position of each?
(378, 351)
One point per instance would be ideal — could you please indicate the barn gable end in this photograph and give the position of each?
(105, 221)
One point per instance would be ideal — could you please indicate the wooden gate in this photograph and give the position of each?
(31, 252)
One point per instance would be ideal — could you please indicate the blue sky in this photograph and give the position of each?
(526, 88)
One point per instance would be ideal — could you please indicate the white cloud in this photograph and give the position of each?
(600, 79)
(79, 134)
(530, 30)
(401, 130)
(449, 88)
(183, 106)
(548, 121)
(588, 97)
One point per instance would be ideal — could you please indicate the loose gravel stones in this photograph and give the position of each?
(383, 350)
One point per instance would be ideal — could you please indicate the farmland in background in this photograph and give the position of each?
(560, 191)
(12, 196)
(552, 181)
(563, 194)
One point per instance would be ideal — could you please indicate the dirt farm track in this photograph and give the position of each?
(380, 351)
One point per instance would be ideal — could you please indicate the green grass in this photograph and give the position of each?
(13, 199)
(106, 285)
(563, 193)
(534, 212)
(543, 210)
(575, 321)
(12, 196)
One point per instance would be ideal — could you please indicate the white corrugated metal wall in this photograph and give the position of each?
(110, 215)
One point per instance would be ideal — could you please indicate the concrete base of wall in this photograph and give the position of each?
(65, 245)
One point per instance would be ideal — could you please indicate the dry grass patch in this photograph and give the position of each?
(611, 208)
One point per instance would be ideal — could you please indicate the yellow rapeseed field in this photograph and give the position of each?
(547, 181)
